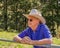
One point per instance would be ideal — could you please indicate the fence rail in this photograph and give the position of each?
(48, 46)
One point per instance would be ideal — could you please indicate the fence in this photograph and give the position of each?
(48, 46)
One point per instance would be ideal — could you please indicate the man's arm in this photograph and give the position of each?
(41, 42)
(27, 40)
(21, 40)
(17, 39)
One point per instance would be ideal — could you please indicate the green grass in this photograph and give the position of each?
(10, 35)
(56, 41)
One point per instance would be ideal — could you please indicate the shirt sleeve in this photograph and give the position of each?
(46, 32)
(23, 33)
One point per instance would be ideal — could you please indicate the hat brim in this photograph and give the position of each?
(41, 18)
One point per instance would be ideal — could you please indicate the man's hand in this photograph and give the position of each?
(26, 40)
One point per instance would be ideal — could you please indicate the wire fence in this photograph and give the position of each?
(48, 46)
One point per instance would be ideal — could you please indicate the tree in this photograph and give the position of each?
(51, 12)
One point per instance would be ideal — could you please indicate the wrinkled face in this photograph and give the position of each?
(32, 21)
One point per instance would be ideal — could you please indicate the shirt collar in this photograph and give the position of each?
(38, 27)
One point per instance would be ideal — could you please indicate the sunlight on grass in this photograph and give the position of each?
(10, 35)
(56, 41)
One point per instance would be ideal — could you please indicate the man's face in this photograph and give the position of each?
(32, 21)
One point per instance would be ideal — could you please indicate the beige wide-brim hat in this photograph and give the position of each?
(35, 13)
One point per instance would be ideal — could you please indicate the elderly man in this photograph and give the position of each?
(37, 32)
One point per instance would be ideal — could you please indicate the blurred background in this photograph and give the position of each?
(13, 22)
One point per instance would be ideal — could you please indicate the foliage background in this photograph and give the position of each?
(11, 14)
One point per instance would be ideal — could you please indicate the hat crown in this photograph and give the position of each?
(35, 12)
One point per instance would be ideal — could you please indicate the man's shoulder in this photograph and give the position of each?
(27, 29)
(43, 26)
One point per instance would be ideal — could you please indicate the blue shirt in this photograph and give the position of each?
(41, 32)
